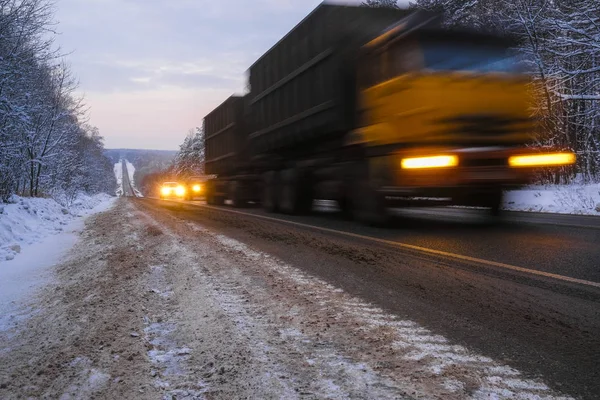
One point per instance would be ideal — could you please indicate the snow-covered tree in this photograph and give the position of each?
(381, 3)
(190, 159)
(41, 122)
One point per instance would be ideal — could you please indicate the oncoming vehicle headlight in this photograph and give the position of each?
(442, 161)
(197, 188)
(180, 191)
(165, 191)
(542, 160)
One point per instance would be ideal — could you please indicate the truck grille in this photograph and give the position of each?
(484, 125)
(484, 162)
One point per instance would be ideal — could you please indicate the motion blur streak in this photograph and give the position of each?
(538, 160)
(430, 162)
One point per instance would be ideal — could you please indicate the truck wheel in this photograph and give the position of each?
(296, 196)
(218, 200)
(271, 191)
(210, 193)
(369, 206)
(345, 205)
(236, 194)
(495, 203)
(345, 202)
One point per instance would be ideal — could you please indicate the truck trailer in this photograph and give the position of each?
(377, 108)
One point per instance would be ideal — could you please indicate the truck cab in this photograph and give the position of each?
(444, 117)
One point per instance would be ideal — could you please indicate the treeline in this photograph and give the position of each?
(46, 146)
(560, 41)
(188, 162)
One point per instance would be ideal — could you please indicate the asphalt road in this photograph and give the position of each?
(557, 244)
(127, 188)
(525, 292)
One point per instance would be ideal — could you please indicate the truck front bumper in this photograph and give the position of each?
(474, 177)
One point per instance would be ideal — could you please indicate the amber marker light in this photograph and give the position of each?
(542, 160)
(430, 162)
(197, 188)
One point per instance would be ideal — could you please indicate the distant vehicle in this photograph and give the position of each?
(377, 108)
(195, 187)
(172, 190)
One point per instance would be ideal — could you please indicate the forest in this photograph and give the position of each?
(47, 146)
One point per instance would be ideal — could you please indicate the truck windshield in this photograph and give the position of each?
(456, 56)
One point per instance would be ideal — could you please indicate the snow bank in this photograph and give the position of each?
(130, 171)
(561, 199)
(118, 168)
(34, 235)
(25, 221)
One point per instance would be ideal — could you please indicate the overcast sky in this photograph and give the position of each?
(151, 69)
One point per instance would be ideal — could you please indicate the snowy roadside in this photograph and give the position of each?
(560, 199)
(35, 234)
(25, 221)
(118, 169)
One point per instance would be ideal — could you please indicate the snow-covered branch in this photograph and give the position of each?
(46, 147)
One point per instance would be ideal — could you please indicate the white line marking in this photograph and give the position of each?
(413, 247)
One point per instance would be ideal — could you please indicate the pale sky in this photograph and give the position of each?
(151, 69)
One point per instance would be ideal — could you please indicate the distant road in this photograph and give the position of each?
(127, 186)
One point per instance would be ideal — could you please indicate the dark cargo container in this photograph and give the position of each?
(303, 89)
(225, 137)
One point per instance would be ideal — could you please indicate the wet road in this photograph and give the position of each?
(565, 245)
(526, 291)
(127, 187)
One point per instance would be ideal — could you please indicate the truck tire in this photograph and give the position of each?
(495, 203)
(236, 194)
(367, 205)
(296, 193)
(345, 202)
(210, 193)
(218, 200)
(345, 206)
(271, 191)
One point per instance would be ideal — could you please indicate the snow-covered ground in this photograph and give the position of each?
(118, 168)
(34, 234)
(562, 199)
(25, 221)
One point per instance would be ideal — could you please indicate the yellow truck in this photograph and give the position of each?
(377, 109)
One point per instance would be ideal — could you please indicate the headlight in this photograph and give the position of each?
(430, 162)
(542, 160)
(197, 188)
(180, 191)
(165, 191)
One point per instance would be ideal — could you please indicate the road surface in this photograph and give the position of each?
(526, 292)
(127, 186)
(168, 299)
